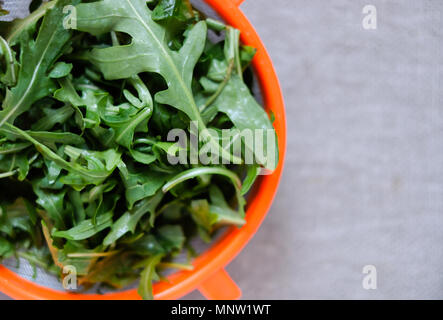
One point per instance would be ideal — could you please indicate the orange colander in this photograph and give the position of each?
(208, 275)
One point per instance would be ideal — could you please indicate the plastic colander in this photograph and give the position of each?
(209, 275)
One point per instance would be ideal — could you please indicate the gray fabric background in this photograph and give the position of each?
(16, 9)
(363, 182)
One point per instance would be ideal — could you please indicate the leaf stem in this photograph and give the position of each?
(221, 87)
(92, 254)
(9, 60)
(7, 174)
(179, 266)
(33, 260)
(193, 173)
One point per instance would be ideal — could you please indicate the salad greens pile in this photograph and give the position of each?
(89, 91)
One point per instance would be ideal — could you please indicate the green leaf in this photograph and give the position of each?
(201, 214)
(166, 240)
(46, 137)
(245, 113)
(86, 228)
(129, 220)
(82, 264)
(206, 215)
(17, 30)
(200, 171)
(100, 165)
(124, 120)
(234, 99)
(11, 164)
(171, 237)
(147, 276)
(178, 9)
(148, 245)
(53, 117)
(6, 248)
(53, 204)
(251, 177)
(77, 204)
(143, 157)
(148, 51)
(60, 70)
(221, 210)
(247, 53)
(140, 185)
(9, 77)
(13, 147)
(37, 58)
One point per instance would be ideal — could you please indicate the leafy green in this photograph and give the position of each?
(178, 9)
(86, 228)
(87, 167)
(37, 58)
(147, 276)
(129, 220)
(148, 52)
(9, 74)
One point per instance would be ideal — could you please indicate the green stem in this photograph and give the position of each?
(193, 173)
(215, 25)
(7, 174)
(33, 260)
(48, 153)
(9, 58)
(91, 255)
(18, 147)
(179, 266)
(221, 87)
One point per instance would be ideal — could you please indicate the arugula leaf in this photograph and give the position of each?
(129, 220)
(171, 237)
(53, 117)
(234, 99)
(100, 165)
(221, 209)
(238, 104)
(9, 77)
(74, 253)
(60, 70)
(86, 228)
(178, 9)
(143, 184)
(46, 137)
(53, 204)
(147, 276)
(6, 248)
(37, 58)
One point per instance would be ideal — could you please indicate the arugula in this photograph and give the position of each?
(148, 52)
(85, 169)
(37, 58)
